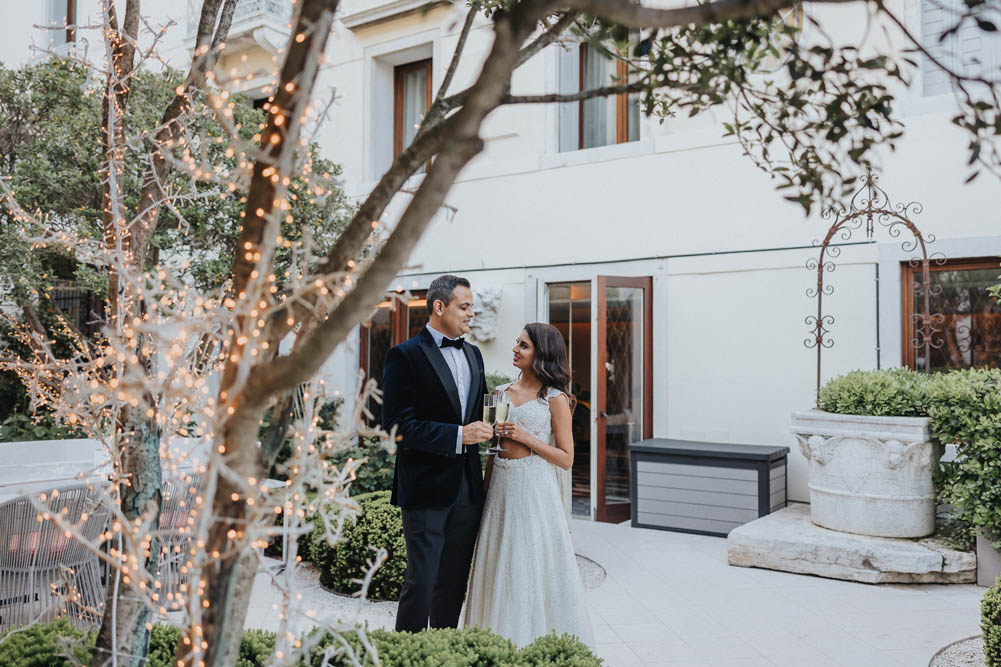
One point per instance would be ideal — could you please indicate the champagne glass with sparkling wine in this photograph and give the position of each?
(495, 409)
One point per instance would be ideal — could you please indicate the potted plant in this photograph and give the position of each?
(871, 455)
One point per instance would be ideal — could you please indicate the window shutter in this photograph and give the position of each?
(970, 50)
(934, 21)
(569, 82)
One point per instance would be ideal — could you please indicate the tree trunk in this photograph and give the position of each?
(124, 639)
(227, 579)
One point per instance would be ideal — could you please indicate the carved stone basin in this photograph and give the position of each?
(869, 475)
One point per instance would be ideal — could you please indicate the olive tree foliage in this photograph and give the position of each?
(50, 157)
(178, 360)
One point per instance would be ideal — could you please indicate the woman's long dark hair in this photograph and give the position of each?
(550, 362)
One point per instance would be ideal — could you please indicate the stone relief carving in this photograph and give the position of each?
(894, 452)
(486, 303)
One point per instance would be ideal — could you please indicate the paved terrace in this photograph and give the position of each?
(671, 599)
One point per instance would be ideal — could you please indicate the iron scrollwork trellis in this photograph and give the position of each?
(870, 204)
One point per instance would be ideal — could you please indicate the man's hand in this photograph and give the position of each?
(476, 432)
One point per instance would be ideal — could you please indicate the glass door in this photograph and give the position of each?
(570, 312)
(623, 409)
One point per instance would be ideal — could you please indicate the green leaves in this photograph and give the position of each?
(378, 525)
(809, 125)
(50, 152)
(469, 647)
(898, 392)
(990, 624)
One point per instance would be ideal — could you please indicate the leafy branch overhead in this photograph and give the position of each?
(812, 123)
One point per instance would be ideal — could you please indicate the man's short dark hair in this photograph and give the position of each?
(441, 289)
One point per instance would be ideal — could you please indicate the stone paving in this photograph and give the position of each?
(671, 599)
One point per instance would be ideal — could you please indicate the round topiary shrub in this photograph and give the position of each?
(890, 392)
(562, 651)
(990, 623)
(379, 524)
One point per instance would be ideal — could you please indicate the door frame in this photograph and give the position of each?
(542, 314)
(601, 283)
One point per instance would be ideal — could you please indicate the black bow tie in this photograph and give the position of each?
(448, 342)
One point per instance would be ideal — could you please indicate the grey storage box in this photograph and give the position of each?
(704, 487)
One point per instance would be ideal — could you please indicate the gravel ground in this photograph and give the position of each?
(316, 602)
(964, 653)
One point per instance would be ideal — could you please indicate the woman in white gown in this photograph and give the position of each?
(524, 582)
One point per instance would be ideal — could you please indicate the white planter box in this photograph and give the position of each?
(988, 560)
(869, 475)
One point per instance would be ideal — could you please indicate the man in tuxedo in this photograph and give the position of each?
(433, 387)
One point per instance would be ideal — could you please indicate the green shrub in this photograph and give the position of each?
(495, 380)
(49, 644)
(162, 645)
(376, 474)
(965, 409)
(304, 547)
(379, 524)
(990, 623)
(553, 651)
(56, 644)
(472, 647)
(256, 647)
(18, 427)
(52, 644)
(898, 392)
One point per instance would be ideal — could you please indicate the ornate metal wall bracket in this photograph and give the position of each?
(871, 206)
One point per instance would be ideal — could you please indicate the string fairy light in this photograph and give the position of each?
(167, 342)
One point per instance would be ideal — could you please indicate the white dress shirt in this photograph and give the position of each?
(456, 360)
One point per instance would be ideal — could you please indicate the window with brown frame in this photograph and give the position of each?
(393, 322)
(62, 12)
(605, 120)
(598, 121)
(411, 100)
(969, 334)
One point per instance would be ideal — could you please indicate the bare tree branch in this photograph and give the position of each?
(457, 54)
(206, 55)
(224, 582)
(485, 95)
(605, 91)
(639, 17)
(551, 34)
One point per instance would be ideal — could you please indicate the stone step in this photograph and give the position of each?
(787, 540)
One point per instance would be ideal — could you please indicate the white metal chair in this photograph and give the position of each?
(177, 517)
(44, 573)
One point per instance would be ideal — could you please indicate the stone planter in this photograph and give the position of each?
(869, 475)
(988, 560)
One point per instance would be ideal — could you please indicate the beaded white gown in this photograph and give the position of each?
(524, 581)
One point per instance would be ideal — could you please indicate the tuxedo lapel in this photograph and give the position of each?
(441, 369)
(474, 381)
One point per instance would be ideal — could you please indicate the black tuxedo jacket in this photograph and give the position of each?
(420, 399)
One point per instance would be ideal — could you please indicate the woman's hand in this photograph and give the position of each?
(513, 431)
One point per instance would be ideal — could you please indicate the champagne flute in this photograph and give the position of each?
(495, 408)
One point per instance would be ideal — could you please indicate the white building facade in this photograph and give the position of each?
(673, 267)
